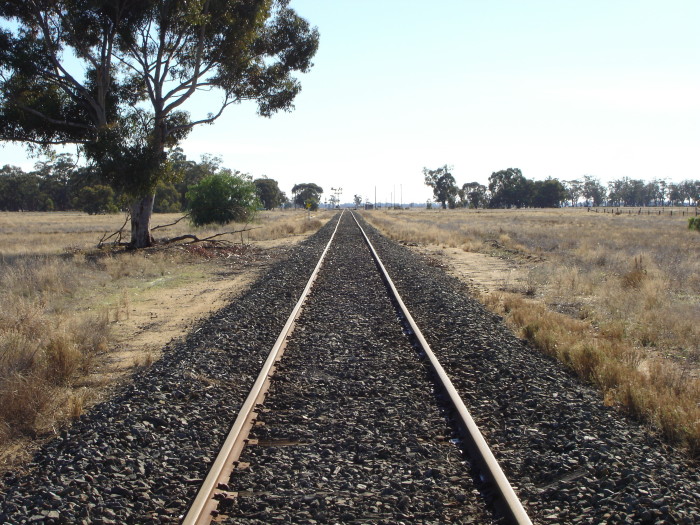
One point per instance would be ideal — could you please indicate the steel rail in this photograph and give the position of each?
(511, 504)
(203, 508)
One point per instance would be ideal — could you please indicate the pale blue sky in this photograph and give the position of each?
(558, 88)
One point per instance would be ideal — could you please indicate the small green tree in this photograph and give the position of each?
(222, 198)
(96, 199)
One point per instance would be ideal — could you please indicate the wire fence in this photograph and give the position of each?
(666, 211)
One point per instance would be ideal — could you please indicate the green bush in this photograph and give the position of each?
(167, 198)
(222, 198)
(694, 223)
(96, 199)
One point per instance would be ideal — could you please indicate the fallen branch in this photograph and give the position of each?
(196, 239)
(117, 233)
(171, 224)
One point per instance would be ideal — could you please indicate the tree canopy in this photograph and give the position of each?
(269, 193)
(443, 184)
(113, 76)
(508, 188)
(307, 194)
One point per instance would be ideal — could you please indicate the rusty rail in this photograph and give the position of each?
(509, 503)
(204, 507)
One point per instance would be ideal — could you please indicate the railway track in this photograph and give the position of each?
(347, 428)
(347, 432)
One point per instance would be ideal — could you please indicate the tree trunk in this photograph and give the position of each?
(141, 211)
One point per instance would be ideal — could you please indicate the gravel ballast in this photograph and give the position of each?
(351, 429)
(570, 458)
(351, 434)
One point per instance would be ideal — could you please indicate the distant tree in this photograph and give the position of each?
(357, 199)
(674, 194)
(55, 180)
(167, 198)
(634, 192)
(475, 194)
(593, 191)
(574, 190)
(509, 188)
(114, 77)
(690, 190)
(615, 192)
(96, 199)
(443, 184)
(269, 193)
(463, 199)
(307, 193)
(222, 198)
(652, 193)
(549, 193)
(20, 191)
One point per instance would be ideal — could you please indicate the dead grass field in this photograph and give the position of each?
(75, 320)
(615, 297)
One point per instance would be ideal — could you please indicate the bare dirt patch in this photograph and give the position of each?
(167, 309)
(483, 273)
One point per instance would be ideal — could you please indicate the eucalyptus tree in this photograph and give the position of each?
(509, 188)
(114, 77)
(269, 193)
(475, 194)
(593, 191)
(307, 194)
(443, 183)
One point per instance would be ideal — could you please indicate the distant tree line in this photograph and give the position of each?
(510, 189)
(60, 185)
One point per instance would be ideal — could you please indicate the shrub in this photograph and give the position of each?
(694, 223)
(96, 199)
(222, 198)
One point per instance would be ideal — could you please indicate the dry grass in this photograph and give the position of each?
(615, 297)
(37, 233)
(60, 298)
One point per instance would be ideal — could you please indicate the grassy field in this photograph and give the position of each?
(64, 305)
(615, 297)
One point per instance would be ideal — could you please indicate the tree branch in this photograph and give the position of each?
(117, 233)
(202, 121)
(197, 71)
(195, 239)
(171, 224)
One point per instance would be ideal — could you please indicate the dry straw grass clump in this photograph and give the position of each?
(43, 348)
(614, 297)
